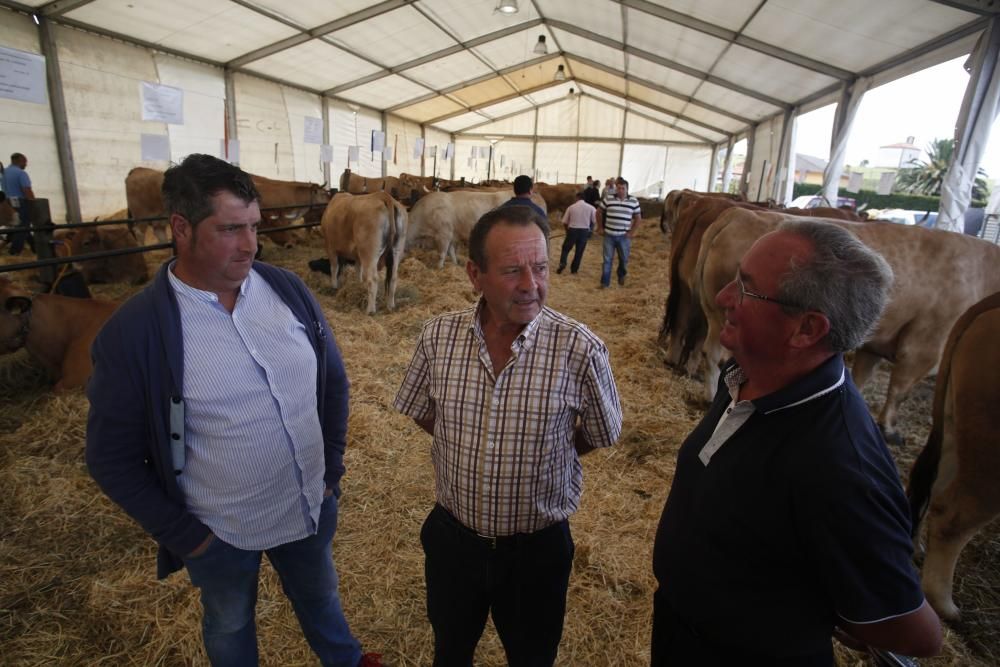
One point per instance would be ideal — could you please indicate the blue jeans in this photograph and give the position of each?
(227, 578)
(612, 244)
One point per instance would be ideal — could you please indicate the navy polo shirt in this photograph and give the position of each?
(521, 201)
(798, 518)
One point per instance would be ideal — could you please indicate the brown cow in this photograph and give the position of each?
(956, 473)
(367, 230)
(143, 192)
(117, 269)
(673, 199)
(448, 217)
(399, 188)
(56, 330)
(558, 197)
(920, 312)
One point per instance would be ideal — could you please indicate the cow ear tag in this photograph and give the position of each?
(17, 305)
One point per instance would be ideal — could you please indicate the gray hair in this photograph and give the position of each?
(844, 279)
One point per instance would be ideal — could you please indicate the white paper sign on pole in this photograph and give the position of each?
(155, 147)
(885, 183)
(313, 130)
(432, 152)
(162, 103)
(378, 141)
(418, 148)
(854, 183)
(449, 151)
(22, 76)
(352, 153)
(325, 153)
(230, 151)
(484, 151)
(387, 153)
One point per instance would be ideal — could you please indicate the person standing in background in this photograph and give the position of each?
(17, 187)
(578, 219)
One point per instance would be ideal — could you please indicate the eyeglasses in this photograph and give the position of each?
(743, 291)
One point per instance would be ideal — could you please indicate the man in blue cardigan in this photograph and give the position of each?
(203, 430)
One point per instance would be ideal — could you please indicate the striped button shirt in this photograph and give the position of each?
(254, 447)
(503, 450)
(618, 214)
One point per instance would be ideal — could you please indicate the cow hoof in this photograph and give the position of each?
(894, 438)
(946, 609)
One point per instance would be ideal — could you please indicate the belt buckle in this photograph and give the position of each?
(492, 540)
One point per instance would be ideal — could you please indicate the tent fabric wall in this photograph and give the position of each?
(353, 128)
(599, 120)
(298, 105)
(204, 106)
(599, 160)
(555, 161)
(263, 128)
(27, 127)
(558, 119)
(642, 167)
(767, 144)
(466, 166)
(102, 81)
(522, 124)
(401, 136)
(687, 167)
(439, 138)
(515, 158)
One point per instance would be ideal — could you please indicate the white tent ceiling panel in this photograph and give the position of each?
(214, 29)
(950, 51)
(737, 103)
(311, 13)
(638, 128)
(673, 41)
(449, 71)
(556, 160)
(469, 19)
(699, 131)
(314, 64)
(598, 159)
(460, 122)
(558, 119)
(483, 92)
(505, 108)
(656, 114)
(716, 120)
(656, 98)
(683, 84)
(776, 78)
(687, 167)
(385, 92)
(514, 49)
(522, 124)
(731, 14)
(831, 32)
(31, 124)
(581, 46)
(598, 119)
(593, 15)
(434, 107)
(553, 93)
(596, 76)
(393, 38)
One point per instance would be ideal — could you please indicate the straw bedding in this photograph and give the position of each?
(77, 578)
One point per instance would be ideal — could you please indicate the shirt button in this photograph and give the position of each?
(490, 444)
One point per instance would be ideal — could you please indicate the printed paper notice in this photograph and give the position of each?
(22, 76)
(162, 103)
(352, 153)
(325, 153)
(854, 184)
(484, 151)
(885, 183)
(449, 151)
(418, 148)
(155, 147)
(433, 151)
(313, 130)
(387, 154)
(378, 141)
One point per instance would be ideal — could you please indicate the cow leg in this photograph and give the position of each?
(451, 251)
(675, 341)
(335, 270)
(390, 288)
(711, 351)
(865, 362)
(369, 276)
(911, 366)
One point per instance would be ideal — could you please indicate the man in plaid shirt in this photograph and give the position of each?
(513, 394)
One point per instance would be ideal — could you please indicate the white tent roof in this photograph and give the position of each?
(702, 70)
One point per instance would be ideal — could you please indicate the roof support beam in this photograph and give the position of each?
(53, 9)
(349, 20)
(589, 140)
(984, 7)
(483, 105)
(660, 60)
(736, 38)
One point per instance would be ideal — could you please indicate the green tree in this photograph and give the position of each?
(926, 177)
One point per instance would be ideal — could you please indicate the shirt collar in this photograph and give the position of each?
(825, 378)
(181, 287)
(525, 338)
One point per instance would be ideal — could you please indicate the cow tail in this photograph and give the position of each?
(392, 233)
(922, 476)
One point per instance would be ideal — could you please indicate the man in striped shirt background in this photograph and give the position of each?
(617, 218)
(513, 394)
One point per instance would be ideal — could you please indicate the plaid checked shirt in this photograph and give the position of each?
(503, 450)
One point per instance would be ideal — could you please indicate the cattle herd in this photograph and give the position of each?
(944, 313)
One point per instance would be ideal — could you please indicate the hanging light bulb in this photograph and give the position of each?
(560, 73)
(540, 47)
(507, 7)
(572, 93)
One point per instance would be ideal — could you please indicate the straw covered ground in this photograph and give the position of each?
(77, 577)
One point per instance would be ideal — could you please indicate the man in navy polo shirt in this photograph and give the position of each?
(786, 523)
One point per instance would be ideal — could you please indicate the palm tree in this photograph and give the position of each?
(925, 178)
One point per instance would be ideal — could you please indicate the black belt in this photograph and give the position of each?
(489, 541)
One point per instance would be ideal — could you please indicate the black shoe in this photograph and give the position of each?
(621, 280)
(561, 269)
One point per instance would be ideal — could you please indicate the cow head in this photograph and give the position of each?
(14, 318)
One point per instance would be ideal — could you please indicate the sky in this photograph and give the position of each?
(923, 105)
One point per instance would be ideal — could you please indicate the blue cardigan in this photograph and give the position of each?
(138, 375)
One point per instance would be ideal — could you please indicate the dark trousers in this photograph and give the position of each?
(18, 239)
(522, 580)
(676, 643)
(575, 238)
